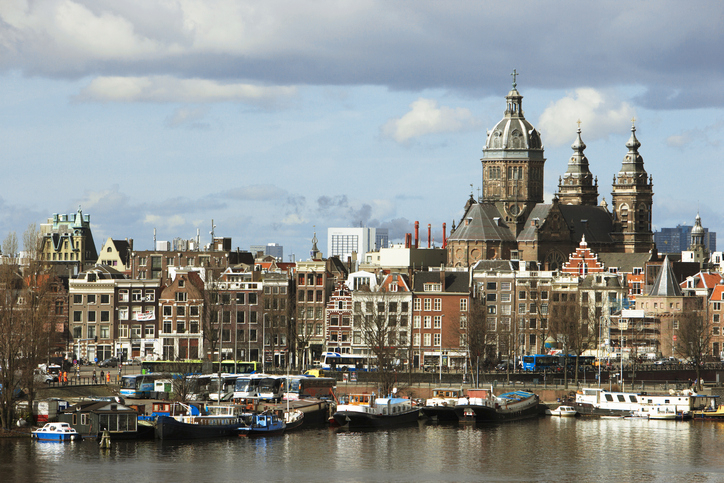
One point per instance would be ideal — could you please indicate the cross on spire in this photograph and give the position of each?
(579, 123)
(514, 74)
(633, 122)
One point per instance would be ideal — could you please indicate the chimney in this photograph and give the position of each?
(429, 234)
(417, 233)
(444, 236)
(408, 240)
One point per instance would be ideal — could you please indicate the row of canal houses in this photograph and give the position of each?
(191, 303)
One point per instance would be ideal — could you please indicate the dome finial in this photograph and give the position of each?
(515, 74)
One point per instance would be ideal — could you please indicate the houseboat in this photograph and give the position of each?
(489, 408)
(600, 402)
(368, 411)
(441, 406)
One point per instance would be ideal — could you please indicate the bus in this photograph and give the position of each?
(334, 361)
(300, 387)
(247, 387)
(584, 362)
(221, 385)
(140, 386)
(540, 362)
(197, 366)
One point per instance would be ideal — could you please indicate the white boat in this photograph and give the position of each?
(564, 412)
(599, 402)
(56, 432)
(661, 412)
(440, 407)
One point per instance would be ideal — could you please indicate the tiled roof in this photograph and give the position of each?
(482, 221)
(454, 281)
(718, 293)
(624, 262)
(540, 211)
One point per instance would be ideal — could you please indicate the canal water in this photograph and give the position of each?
(546, 449)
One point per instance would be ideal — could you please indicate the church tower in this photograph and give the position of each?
(513, 164)
(577, 186)
(632, 200)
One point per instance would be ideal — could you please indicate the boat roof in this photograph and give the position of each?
(516, 395)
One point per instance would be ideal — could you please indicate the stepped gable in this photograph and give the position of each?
(665, 284)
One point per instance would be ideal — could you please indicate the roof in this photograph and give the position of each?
(718, 293)
(704, 280)
(665, 284)
(594, 222)
(540, 212)
(624, 262)
(123, 247)
(482, 221)
(454, 281)
(494, 266)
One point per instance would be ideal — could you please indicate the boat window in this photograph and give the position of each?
(632, 398)
(609, 398)
(621, 398)
(666, 401)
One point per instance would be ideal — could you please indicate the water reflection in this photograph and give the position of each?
(548, 449)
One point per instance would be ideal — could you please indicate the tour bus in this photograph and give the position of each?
(300, 387)
(247, 387)
(334, 361)
(140, 386)
(221, 385)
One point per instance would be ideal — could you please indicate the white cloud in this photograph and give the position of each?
(600, 113)
(425, 117)
(168, 223)
(709, 135)
(294, 219)
(170, 89)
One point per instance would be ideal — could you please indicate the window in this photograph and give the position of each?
(123, 331)
(150, 296)
(77, 332)
(491, 286)
(77, 299)
(416, 339)
(428, 322)
(492, 309)
(438, 305)
(105, 299)
(437, 322)
(428, 339)
(105, 332)
(716, 318)
(416, 304)
(521, 308)
(492, 297)
(436, 338)
(463, 305)
(105, 316)
(149, 332)
(463, 322)
(91, 299)
(137, 295)
(521, 295)
(717, 305)
(91, 331)
(167, 326)
(240, 297)
(167, 311)
(123, 295)
(180, 311)
(181, 296)
(505, 286)
(428, 304)
(415, 321)
(252, 299)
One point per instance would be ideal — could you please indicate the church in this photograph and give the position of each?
(511, 221)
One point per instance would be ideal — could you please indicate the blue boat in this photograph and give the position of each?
(56, 432)
(262, 424)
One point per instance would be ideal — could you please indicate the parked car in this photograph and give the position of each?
(110, 362)
(44, 377)
(504, 366)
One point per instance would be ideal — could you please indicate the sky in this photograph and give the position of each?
(278, 119)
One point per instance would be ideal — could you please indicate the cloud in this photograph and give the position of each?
(710, 136)
(425, 117)
(600, 113)
(257, 192)
(170, 89)
(187, 117)
(167, 223)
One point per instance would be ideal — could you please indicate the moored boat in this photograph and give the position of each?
(368, 411)
(293, 419)
(56, 432)
(221, 421)
(264, 424)
(488, 408)
(600, 402)
(440, 407)
(564, 412)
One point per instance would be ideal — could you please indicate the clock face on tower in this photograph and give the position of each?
(514, 209)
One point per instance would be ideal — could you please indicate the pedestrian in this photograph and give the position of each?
(94, 376)
(108, 377)
(103, 377)
(65, 377)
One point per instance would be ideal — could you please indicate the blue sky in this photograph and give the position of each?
(279, 118)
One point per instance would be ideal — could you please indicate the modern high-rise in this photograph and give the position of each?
(677, 240)
(343, 242)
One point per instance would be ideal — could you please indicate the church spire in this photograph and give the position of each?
(577, 186)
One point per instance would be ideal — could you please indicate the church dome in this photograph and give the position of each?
(513, 131)
(697, 229)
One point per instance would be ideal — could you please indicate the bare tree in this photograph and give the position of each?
(478, 339)
(12, 333)
(566, 327)
(380, 334)
(693, 340)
